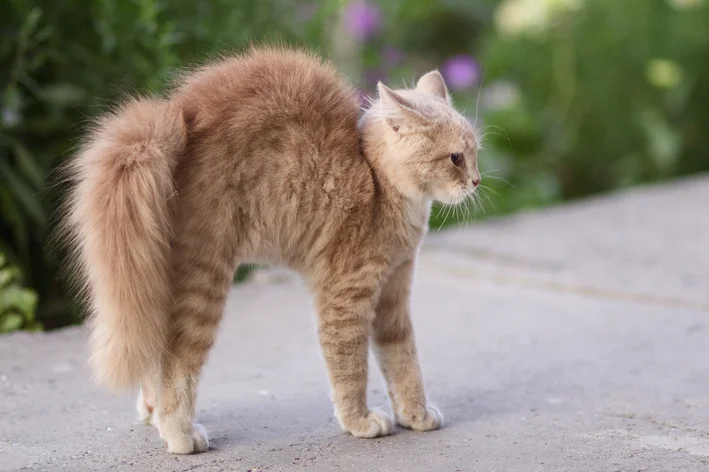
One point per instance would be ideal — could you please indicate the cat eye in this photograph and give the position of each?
(457, 158)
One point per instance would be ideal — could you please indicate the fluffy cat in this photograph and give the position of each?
(262, 158)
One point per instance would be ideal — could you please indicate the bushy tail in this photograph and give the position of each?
(120, 222)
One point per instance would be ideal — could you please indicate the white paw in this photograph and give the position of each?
(183, 443)
(145, 411)
(420, 418)
(375, 424)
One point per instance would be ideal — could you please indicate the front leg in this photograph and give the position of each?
(395, 350)
(345, 316)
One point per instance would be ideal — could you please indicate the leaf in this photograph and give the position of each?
(7, 275)
(18, 298)
(10, 322)
(7, 256)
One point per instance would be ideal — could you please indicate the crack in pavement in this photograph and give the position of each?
(561, 287)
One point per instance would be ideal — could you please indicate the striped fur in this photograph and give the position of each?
(262, 158)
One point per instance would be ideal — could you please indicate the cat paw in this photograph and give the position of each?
(182, 443)
(145, 411)
(374, 425)
(420, 418)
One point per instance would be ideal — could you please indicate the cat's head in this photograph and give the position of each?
(425, 146)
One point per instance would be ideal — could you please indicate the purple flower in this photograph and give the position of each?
(393, 56)
(461, 72)
(362, 19)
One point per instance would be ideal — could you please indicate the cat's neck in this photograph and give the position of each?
(412, 209)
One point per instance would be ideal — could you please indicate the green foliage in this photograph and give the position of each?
(603, 95)
(579, 96)
(17, 304)
(62, 63)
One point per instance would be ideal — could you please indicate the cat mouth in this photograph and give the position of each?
(458, 197)
(468, 191)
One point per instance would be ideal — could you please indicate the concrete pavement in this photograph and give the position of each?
(572, 339)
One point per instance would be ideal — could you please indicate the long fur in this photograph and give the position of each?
(264, 161)
(120, 224)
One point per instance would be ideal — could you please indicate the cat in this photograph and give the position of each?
(262, 157)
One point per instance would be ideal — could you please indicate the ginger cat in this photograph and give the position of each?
(261, 158)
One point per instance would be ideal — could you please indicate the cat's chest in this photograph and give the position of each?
(416, 215)
(413, 225)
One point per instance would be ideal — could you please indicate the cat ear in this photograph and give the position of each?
(434, 84)
(397, 109)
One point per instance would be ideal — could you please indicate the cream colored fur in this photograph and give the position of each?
(262, 158)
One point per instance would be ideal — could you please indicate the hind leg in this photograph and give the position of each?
(200, 292)
(147, 400)
(203, 261)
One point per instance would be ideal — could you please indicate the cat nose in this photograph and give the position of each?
(476, 181)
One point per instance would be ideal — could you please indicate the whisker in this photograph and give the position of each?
(489, 189)
(501, 129)
(478, 204)
(472, 203)
(482, 204)
(485, 134)
(446, 215)
(471, 213)
(477, 102)
(443, 207)
(438, 215)
(494, 177)
(440, 210)
(483, 194)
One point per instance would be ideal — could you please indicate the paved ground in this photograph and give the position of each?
(573, 339)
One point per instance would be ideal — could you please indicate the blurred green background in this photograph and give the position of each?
(572, 97)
